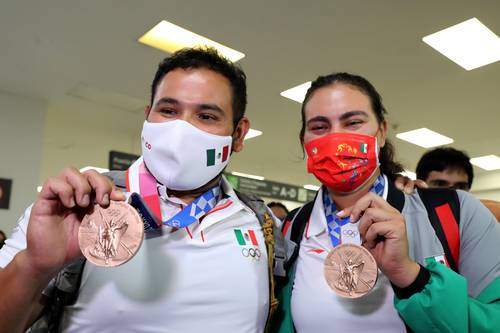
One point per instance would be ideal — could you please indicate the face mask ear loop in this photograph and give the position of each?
(233, 138)
(377, 149)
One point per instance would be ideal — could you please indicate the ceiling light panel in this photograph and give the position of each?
(489, 162)
(469, 44)
(169, 37)
(425, 138)
(297, 93)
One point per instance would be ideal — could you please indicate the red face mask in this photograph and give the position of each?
(343, 161)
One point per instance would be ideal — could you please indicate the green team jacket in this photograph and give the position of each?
(445, 301)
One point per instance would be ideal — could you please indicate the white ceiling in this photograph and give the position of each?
(56, 47)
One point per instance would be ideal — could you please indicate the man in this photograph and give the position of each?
(451, 168)
(279, 210)
(207, 273)
(3, 237)
(446, 167)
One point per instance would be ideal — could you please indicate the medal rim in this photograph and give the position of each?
(325, 265)
(113, 263)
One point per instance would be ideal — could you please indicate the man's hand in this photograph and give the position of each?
(383, 233)
(407, 185)
(52, 239)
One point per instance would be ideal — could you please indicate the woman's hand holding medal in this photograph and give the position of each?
(383, 233)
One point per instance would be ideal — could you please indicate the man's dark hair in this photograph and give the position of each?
(388, 166)
(3, 237)
(207, 58)
(277, 204)
(440, 159)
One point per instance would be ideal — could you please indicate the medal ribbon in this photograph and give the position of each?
(140, 180)
(337, 225)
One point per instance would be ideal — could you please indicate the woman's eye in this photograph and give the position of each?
(354, 122)
(317, 127)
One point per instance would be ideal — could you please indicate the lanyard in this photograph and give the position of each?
(140, 180)
(335, 224)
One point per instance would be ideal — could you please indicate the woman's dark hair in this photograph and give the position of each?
(388, 166)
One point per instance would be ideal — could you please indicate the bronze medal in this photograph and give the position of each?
(110, 237)
(350, 270)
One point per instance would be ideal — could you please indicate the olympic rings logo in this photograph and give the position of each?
(252, 253)
(350, 233)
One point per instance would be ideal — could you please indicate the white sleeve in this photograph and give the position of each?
(17, 242)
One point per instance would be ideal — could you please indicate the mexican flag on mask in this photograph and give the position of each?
(218, 155)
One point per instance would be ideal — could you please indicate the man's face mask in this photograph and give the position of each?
(181, 156)
(343, 161)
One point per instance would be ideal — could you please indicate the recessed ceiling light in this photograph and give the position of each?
(100, 170)
(312, 187)
(410, 174)
(469, 44)
(424, 137)
(169, 37)
(252, 133)
(489, 162)
(297, 93)
(246, 175)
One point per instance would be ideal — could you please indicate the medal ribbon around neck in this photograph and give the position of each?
(140, 180)
(340, 228)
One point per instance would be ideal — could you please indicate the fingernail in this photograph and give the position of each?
(72, 202)
(86, 200)
(105, 199)
(340, 213)
(351, 218)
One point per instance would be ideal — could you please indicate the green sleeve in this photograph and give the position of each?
(282, 321)
(444, 305)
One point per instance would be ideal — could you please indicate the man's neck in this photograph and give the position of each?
(189, 196)
(345, 200)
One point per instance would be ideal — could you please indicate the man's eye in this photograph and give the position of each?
(207, 116)
(167, 111)
(440, 183)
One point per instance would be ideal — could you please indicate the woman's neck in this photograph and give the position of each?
(345, 200)
(189, 196)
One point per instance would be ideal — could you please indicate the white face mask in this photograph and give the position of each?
(181, 156)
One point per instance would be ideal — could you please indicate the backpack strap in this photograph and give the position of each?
(275, 246)
(443, 209)
(294, 227)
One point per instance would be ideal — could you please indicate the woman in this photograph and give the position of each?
(344, 135)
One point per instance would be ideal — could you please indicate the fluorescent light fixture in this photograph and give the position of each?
(312, 187)
(469, 44)
(169, 37)
(424, 137)
(100, 170)
(297, 93)
(489, 162)
(246, 175)
(410, 174)
(252, 133)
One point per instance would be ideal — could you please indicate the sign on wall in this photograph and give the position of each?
(5, 189)
(270, 189)
(121, 161)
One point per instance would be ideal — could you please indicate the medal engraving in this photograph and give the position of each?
(111, 236)
(350, 270)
